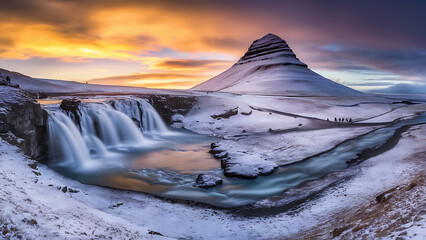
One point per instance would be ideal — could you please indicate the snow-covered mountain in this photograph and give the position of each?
(271, 67)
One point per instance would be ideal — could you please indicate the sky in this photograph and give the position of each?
(178, 44)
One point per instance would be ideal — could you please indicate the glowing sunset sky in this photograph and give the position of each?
(178, 44)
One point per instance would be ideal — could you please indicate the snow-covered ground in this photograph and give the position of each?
(357, 108)
(260, 132)
(34, 205)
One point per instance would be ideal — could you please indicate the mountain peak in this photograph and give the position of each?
(269, 46)
(270, 67)
(268, 38)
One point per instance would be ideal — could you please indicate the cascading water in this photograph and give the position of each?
(110, 141)
(103, 128)
(66, 145)
(144, 114)
(151, 120)
(112, 127)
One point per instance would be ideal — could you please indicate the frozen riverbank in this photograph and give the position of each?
(96, 212)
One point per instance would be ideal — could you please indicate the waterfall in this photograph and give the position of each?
(112, 127)
(66, 143)
(103, 128)
(144, 114)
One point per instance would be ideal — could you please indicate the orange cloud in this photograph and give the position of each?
(201, 36)
(159, 80)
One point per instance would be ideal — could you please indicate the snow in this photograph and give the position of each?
(96, 211)
(47, 86)
(36, 208)
(401, 112)
(397, 167)
(208, 180)
(270, 67)
(357, 108)
(269, 131)
(12, 95)
(199, 118)
(282, 149)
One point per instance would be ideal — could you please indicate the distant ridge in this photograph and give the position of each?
(270, 67)
(59, 87)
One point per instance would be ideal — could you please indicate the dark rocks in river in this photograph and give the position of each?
(208, 180)
(221, 155)
(214, 145)
(217, 153)
(214, 152)
(227, 114)
(70, 104)
(23, 121)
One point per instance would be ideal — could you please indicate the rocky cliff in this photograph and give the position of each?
(167, 106)
(22, 121)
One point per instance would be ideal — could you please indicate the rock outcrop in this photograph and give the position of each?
(241, 165)
(227, 114)
(168, 106)
(266, 47)
(72, 105)
(208, 180)
(23, 121)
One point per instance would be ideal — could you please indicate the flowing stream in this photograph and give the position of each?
(124, 143)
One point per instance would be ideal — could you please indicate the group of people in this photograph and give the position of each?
(341, 119)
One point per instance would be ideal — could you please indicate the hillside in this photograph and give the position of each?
(50, 86)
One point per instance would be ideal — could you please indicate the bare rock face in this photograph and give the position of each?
(208, 180)
(168, 106)
(22, 117)
(227, 114)
(268, 47)
(72, 105)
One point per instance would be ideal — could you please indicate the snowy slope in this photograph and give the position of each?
(270, 67)
(37, 85)
(31, 84)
